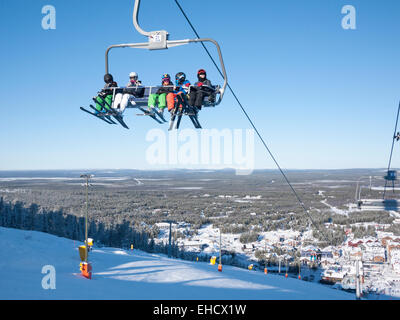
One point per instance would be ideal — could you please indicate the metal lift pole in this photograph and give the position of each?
(357, 280)
(169, 240)
(220, 240)
(86, 177)
(86, 219)
(279, 269)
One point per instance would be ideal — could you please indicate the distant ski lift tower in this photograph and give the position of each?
(391, 176)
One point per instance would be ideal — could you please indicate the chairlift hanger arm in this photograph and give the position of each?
(135, 20)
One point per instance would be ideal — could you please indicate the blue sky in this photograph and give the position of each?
(321, 96)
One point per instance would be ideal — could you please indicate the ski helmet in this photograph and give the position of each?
(201, 71)
(166, 78)
(108, 78)
(180, 77)
(133, 75)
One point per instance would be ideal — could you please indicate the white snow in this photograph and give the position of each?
(124, 274)
(334, 209)
(188, 188)
(252, 198)
(383, 188)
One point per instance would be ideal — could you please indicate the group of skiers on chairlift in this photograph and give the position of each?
(168, 96)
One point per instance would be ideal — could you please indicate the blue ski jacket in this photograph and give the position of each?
(180, 88)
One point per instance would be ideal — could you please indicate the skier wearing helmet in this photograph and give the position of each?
(122, 100)
(160, 97)
(179, 94)
(133, 80)
(104, 98)
(201, 89)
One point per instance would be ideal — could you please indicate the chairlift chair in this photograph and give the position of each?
(158, 40)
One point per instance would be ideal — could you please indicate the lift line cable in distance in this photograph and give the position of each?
(251, 122)
(391, 151)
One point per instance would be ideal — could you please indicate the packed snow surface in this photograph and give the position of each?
(125, 274)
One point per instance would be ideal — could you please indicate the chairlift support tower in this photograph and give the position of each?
(391, 176)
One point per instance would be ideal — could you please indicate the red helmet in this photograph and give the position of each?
(201, 71)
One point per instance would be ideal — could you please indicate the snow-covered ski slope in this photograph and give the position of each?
(120, 274)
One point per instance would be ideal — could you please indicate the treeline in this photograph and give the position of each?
(329, 237)
(121, 235)
(363, 217)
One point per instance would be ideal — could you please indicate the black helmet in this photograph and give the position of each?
(180, 77)
(108, 78)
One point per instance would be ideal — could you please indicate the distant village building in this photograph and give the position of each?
(356, 255)
(385, 240)
(355, 244)
(374, 252)
(311, 255)
(395, 259)
(333, 274)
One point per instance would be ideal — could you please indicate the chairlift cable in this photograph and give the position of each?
(251, 122)
(391, 151)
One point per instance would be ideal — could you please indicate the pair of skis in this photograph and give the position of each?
(152, 114)
(106, 113)
(99, 115)
(177, 114)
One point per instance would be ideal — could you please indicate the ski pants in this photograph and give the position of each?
(106, 101)
(173, 98)
(159, 100)
(196, 97)
(122, 101)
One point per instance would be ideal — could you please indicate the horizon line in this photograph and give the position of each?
(190, 169)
